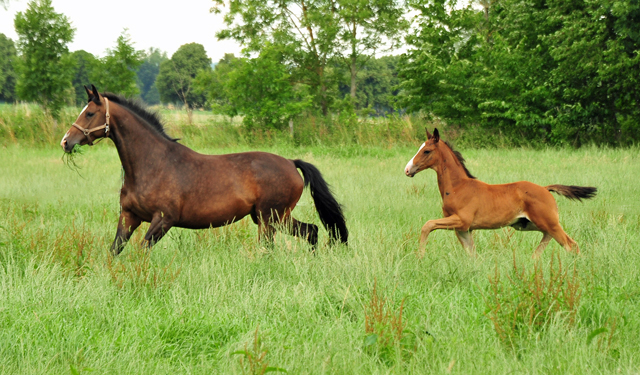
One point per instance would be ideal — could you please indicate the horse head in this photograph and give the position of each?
(92, 122)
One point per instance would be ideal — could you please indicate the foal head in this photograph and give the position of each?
(91, 124)
(427, 156)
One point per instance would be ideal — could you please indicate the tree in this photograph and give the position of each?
(116, 72)
(84, 62)
(7, 72)
(260, 89)
(366, 27)
(542, 71)
(45, 68)
(176, 76)
(147, 74)
(213, 84)
(312, 33)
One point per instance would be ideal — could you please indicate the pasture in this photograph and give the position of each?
(217, 301)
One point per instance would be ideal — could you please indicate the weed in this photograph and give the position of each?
(384, 327)
(137, 271)
(253, 358)
(73, 250)
(528, 300)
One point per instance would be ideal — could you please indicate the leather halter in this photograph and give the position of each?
(86, 132)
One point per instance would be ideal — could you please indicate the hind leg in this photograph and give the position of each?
(546, 237)
(466, 240)
(563, 239)
(303, 230)
(548, 223)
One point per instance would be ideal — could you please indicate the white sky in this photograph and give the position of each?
(162, 24)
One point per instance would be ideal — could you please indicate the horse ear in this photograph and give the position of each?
(436, 135)
(96, 95)
(428, 134)
(89, 94)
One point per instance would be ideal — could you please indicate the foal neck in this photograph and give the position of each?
(449, 170)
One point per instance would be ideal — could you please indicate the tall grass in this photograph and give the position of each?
(194, 302)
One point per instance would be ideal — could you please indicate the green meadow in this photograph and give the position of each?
(219, 301)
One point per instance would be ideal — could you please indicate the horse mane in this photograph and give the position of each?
(150, 118)
(458, 156)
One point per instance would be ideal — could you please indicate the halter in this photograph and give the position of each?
(86, 132)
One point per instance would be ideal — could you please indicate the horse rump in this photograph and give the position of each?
(573, 192)
(329, 210)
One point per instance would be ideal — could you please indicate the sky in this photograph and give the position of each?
(164, 25)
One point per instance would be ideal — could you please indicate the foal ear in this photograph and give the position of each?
(96, 95)
(428, 134)
(436, 135)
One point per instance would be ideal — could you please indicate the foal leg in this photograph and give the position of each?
(563, 239)
(546, 237)
(466, 240)
(160, 225)
(127, 223)
(451, 222)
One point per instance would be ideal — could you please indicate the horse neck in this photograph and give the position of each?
(138, 145)
(449, 170)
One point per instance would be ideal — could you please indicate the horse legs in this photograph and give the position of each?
(160, 225)
(303, 230)
(466, 240)
(450, 222)
(126, 225)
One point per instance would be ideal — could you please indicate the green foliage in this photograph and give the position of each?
(7, 72)
(84, 63)
(556, 71)
(147, 74)
(175, 77)
(116, 72)
(377, 83)
(261, 90)
(45, 67)
(311, 36)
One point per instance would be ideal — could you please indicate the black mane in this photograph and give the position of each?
(151, 118)
(458, 156)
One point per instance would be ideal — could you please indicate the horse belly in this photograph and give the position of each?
(214, 214)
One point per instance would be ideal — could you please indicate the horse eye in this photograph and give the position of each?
(90, 114)
(426, 152)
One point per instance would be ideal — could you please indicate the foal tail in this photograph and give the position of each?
(329, 210)
(573, 192)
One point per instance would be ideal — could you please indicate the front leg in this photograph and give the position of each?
(160, 225)
(126, 225)
(450, 222)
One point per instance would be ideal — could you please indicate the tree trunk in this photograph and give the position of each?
(354, 67)
(353, 78)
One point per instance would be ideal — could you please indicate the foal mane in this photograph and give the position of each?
(150, 118)
(458, 156)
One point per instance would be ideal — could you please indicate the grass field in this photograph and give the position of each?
(217, 301)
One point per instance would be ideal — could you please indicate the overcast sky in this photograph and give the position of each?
(165, 25)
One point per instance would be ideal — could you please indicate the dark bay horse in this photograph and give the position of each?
(170, 185)
(469, 204)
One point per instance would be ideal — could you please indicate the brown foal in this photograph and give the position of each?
(170, 185)
(470, 204)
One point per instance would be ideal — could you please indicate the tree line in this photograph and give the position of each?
(542, 71)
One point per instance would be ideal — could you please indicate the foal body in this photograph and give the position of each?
(470, 204)
(169, 185)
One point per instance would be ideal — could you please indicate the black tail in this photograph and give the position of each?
(329, 210)
(573, 192)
